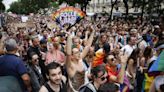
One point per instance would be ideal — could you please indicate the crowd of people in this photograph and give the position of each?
(90, 56)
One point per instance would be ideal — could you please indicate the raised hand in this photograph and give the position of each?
(123, 57)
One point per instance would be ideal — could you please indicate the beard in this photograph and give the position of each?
(57, 82)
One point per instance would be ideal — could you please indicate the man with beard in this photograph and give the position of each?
(56, 81)
(34, 47)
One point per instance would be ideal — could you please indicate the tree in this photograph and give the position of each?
(2, 6)
(28, 6)
(154, 6)
(15, 7)
(112, 7)
(82, 3)
(148, 6)
(53, 3)
(126, 7)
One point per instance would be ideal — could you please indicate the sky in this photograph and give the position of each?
(7, 3)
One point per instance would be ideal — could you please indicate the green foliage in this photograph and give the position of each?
(32, 6)
(28, 6)
(70, 2)
(53, 3)
(73, 2)
(149, 6)
(2, 6)
(15, 7)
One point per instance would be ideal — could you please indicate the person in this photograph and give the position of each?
(55, 55)
(142, 44)
(43, 50)
(77, 43)
(100, 56)
(102, 42)
(56, 82)
(7, 81)
(12, 65)
(35, 48)
(1, 44)
(35, 72)
(116, 74)
(128, 49)
(142, 76)
(74, 63)
(99, 77)
(132, 65)
(109, 87)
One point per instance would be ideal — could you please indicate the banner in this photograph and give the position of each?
(24, 25)
(68, 15)
(24, 18)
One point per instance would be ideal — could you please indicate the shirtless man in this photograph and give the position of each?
(74, 63)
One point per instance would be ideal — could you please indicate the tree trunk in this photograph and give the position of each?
(127, 8)
(111, 12)
(142, 12)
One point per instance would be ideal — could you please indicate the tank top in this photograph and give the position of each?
(62, 87)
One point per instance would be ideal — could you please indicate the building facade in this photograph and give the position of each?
(99, 6)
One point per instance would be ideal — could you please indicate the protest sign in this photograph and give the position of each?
(24, 18)
(68, 15)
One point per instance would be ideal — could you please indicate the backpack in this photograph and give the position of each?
(89, 85)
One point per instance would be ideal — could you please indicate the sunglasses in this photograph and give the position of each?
(103, 78)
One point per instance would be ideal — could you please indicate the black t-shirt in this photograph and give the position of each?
(33, 49)
(12, 65)
(63, 87)
(87, 90)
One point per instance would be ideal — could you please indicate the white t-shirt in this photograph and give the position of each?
(128, 49)
(142, 45)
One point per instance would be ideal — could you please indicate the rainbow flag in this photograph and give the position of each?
(68, 12)
(158, 65)
(147, 82)
(99, 57)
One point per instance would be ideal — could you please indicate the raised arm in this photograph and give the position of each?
(122, 70)
(86, 35)
(89, 43)
(130, 68)
(120, 77)
(69, 68)
(69, 45)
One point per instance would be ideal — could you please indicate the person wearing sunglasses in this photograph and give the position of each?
(35, 73)
(116, 69)
(99, 77)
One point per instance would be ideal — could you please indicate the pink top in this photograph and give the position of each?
(56, 56)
